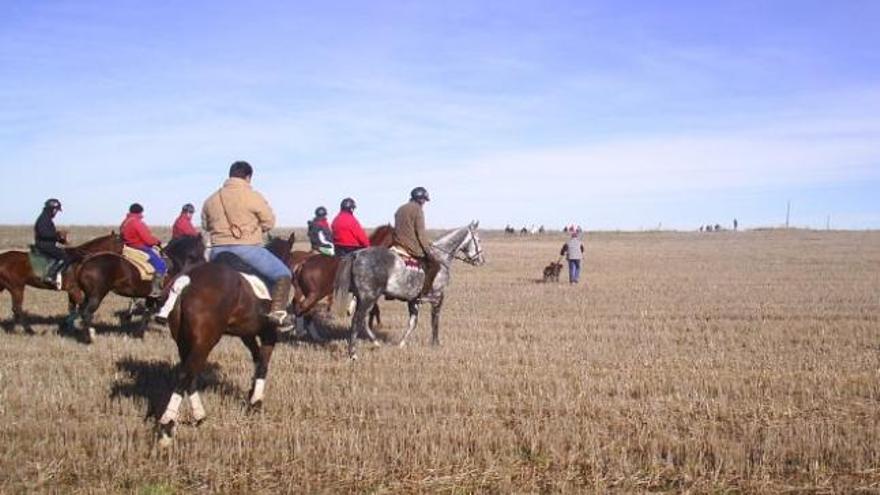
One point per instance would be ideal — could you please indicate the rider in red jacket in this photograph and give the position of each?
(136, 234)
(348, 235)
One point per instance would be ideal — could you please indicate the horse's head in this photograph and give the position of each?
(471, 247)
(185, 252)
(281, 247)
(382, 236)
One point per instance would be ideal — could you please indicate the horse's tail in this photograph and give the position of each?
(342, 286)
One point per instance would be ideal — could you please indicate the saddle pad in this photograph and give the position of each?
(409, 261)
(140, 260)
(258, 286)
(39, 262)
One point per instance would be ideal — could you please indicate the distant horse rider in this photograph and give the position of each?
(410, 234)
(46, 237)
(348, 235)
(183, 226)
(135, 234)
(237, 216)
(320, 235)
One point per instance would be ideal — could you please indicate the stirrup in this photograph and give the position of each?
(282, 320)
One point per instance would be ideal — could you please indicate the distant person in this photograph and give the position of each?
(183, 225)
(735, 225)
(136, 234)
(46, 239)
(348, 235)
(573, 250)
(237, 216)
(320, 234)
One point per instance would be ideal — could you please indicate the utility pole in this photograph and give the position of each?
(787, 213)
(828, 222)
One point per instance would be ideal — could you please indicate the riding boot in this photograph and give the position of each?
(432, 268)
(52, 273)
(156, 288)
(278, 310)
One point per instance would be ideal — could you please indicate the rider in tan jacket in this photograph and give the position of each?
(236, 217)
(410, 234)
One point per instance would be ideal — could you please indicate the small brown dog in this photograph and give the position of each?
(551, 272)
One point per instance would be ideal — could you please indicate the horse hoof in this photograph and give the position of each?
(255, 407)
(402, 344)
(377, 344)
(166, 434)
(353, 357)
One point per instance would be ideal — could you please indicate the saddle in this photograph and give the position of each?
(141, 261)
(258, 283)
(39, 261)
(409, 261)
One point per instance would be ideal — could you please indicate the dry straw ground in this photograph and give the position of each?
(702, 362)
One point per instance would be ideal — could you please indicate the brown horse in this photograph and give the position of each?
(16, 272)
(110, 272)
(313, 280)
(216, 302)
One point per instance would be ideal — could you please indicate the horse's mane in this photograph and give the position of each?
(82, 250)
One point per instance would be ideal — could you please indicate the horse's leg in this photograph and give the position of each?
(18, 316)
(74, 299)
(435, 320)
(87, 311)
(125, 317)
(261, 355)
(309, 324)
(376, 316)
(196, 353)
(305, 308)
(358, 322)
(413, 307)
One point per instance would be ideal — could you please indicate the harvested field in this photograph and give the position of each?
(705, 362)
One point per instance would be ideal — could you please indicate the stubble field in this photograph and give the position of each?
(705, 362)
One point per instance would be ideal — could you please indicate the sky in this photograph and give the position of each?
(612, 115)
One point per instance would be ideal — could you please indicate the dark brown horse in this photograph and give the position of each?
(216, 302)
(103, 273)
(313, 280)
(16, 272)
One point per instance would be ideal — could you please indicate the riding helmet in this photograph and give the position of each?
(188, 208)
(347, 204)
(52, 204)
(419, 193)
(135, 208)
(320, 211)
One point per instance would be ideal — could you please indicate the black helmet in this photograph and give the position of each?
(52, 204)
(347, 204)
(419, 193)
(188, 208)
(320, 211)
(135, 208)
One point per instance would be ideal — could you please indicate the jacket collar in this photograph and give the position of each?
(236, 182)
(134, 215)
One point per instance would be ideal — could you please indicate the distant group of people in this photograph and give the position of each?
(717, 227)
(236, 217)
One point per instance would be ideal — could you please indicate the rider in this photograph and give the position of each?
(183, 225)
(348, 235)
(410, 234)
(320, 235)
(236, 216)
(137, 235)
(46, 237)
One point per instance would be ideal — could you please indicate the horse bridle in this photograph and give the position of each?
(470, 260)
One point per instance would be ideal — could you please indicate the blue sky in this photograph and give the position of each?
(614, 115)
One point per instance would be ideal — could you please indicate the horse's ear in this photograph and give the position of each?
(475, 224)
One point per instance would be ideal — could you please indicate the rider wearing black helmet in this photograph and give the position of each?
(46, 237)
(320, 235)
(348, 235)
(410, 234)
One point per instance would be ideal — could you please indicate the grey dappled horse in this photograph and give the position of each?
(375, 272)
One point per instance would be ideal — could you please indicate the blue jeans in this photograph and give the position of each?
(155, 260)
(258, 257)
(574, 271)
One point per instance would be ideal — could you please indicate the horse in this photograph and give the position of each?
(217, 301)
(111, 272)
(371, 273)
(16, 272)
(313, 280)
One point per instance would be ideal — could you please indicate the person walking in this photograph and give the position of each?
(573, 250)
